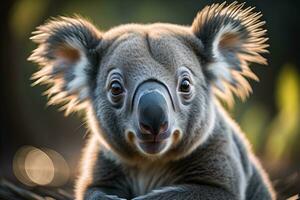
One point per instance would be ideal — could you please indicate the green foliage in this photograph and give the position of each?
(273, 136)
(25, 14)
(285, 126)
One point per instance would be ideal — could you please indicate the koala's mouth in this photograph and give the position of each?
(154, 145)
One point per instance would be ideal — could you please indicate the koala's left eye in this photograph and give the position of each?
(185, 85)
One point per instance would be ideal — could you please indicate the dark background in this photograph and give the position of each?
(270, 117)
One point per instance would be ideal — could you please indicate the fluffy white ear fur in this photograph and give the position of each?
(232, 37)
(65, 49)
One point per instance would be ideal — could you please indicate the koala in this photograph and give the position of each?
(151, 94)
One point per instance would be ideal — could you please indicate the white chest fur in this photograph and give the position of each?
(146, 179)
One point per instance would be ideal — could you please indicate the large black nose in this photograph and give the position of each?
(153, 113)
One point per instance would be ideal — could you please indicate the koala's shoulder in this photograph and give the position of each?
(221, 160)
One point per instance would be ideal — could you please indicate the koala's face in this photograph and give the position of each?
(150, 93)
(149, 89)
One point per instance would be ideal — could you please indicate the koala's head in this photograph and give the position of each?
(149, 89)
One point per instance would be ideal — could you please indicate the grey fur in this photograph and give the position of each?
(209, 158)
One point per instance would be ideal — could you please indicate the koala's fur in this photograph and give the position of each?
(208, 156)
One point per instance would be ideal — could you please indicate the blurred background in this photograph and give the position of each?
(39, 146)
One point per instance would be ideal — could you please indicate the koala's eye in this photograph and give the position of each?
(185, 85)
(116, 88)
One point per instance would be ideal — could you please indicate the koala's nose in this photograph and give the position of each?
(153, 113)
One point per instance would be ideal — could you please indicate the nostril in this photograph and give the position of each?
(163, 128)
(149, 130)
(145, 128)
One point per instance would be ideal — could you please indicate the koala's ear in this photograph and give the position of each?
(67, 54)
(232, 37)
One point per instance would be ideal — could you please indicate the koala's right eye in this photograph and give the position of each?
(116, 88)
(116, 92)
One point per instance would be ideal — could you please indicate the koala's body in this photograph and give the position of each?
(149, 92)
